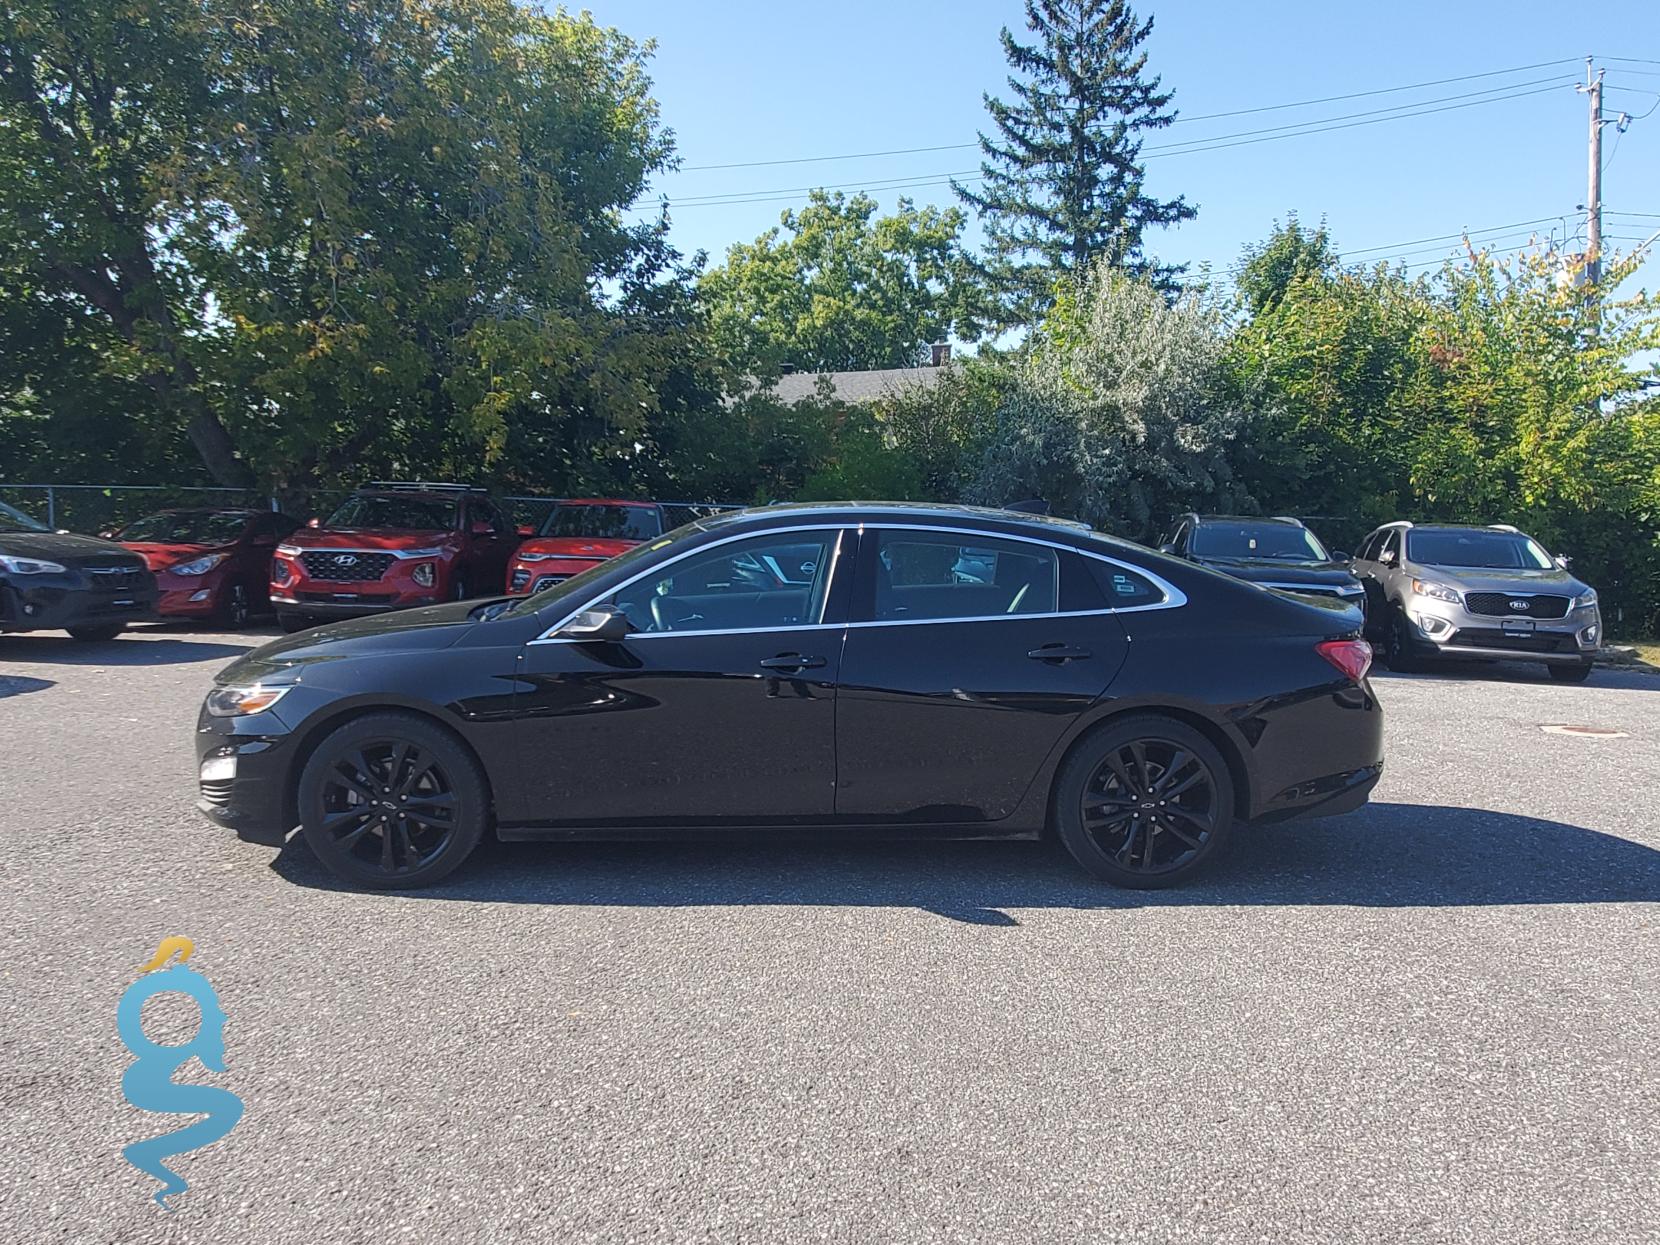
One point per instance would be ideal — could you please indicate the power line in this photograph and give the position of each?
(1209, 116)
(1217, 142)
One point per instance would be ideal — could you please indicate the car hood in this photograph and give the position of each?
(158, 556)
(593, 547)
(66, 548)
(365, 538)
(1481, 579)
(1270, 570)
(430, 627)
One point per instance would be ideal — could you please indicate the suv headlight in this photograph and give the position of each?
(1438, 592)
(29, 566)
(231, 702)
(200, 566)
(1586, 600)
(534, 557)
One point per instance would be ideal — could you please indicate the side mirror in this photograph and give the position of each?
(482, 528)
(1339, 556)
(524, 529)
(605, 623)
(314, 521)
(1563, 561)
(1386, 558)
(1167, 547)
(108, 533)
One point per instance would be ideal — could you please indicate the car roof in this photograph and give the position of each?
(1284, 520)
(420, 494)
(920, 513)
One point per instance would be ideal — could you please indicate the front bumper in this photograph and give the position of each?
(319, 604)
(253, 800)
(1445, 629)
(57, 602)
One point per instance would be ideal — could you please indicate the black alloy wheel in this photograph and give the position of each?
(1146, 802)
(392, 800)
(233, 607)
(1398, 651)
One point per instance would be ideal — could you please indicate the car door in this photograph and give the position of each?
(489, 548)
(967, 658)
(1365, 569)
(719, 709)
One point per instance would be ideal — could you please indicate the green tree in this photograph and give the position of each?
(1063, 185)
(837, 288)
(1122, 413)
(333, 236)
(1291, 253)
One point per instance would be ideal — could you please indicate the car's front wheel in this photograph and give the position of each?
(392, 800)
(1145, 802)
(1400, 652)
(234, 607)
(291, 623)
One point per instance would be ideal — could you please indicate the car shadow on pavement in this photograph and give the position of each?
(17, 685)
(52, 650)
(1625, 678)
(1385, 855)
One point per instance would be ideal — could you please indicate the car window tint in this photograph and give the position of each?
(763, 583)
(936, 575)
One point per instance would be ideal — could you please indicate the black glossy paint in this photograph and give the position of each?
(847, 720)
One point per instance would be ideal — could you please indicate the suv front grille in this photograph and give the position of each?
(345, 567)
(1498, 604)
(1533, 642)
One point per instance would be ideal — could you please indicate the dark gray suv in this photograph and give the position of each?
(1475, 592)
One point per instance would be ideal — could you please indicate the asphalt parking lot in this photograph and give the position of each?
(1437, 1019)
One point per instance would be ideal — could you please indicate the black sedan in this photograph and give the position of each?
(49, 580)
(809, 666)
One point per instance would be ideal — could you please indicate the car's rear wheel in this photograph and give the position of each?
(1571, 674)
(392, 800)
(234, 607)
(293, 622)
(1144, 802)
(103, 631)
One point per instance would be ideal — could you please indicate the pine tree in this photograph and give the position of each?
(1063, 186)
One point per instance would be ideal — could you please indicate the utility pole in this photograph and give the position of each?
(1593, 201)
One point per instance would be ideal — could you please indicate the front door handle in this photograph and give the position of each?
(791, 661)
(1059, 652)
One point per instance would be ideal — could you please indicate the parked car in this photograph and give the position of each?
(1277, 553)
(391, 545)
(1445, 590)
(1137, 704)
(210, 562)
(89, 587)
(578, 534)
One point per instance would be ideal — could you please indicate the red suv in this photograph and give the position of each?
(578, 534)
(210, 562)
(390, 546)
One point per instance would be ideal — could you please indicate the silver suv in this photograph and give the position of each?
(1475, 592)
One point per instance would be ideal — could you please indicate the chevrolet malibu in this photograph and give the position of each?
(1136, 705)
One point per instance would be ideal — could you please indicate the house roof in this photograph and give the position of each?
(855, 387)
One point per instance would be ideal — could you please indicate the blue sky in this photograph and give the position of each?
(743, 80)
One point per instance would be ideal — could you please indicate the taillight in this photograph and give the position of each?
(1352, 657)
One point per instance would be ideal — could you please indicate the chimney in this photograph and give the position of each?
(940, 354)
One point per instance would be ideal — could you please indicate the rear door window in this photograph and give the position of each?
(922, 576)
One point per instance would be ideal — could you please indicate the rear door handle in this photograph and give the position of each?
(1059, 652)
(791, 661)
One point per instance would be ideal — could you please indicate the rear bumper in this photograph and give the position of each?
(1325, 797)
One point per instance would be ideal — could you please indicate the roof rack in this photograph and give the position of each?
(424, 486)
(1505, 527)
(1288, 518)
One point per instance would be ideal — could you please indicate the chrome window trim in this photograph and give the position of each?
(1174, 597)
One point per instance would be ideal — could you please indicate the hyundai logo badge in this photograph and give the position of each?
(346, 559)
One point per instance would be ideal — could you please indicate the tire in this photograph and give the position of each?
(1107, 808)
(458, 589)
(1398, 652)
(1571, 674)
(233, 608)
(293, 622)
(99, 631)
(361, 787)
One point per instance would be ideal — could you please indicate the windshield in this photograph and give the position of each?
(407, 513)
(16, 521)
(1244, 539)
(578, 585)
(1494, 551)
(190, 527)
(613, 522)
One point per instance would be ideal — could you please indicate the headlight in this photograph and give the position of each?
(534, 557)
(1587, 600)
(231, 702)
(201, 566)
(1439, 592)
(424, 575)
(29, 566)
